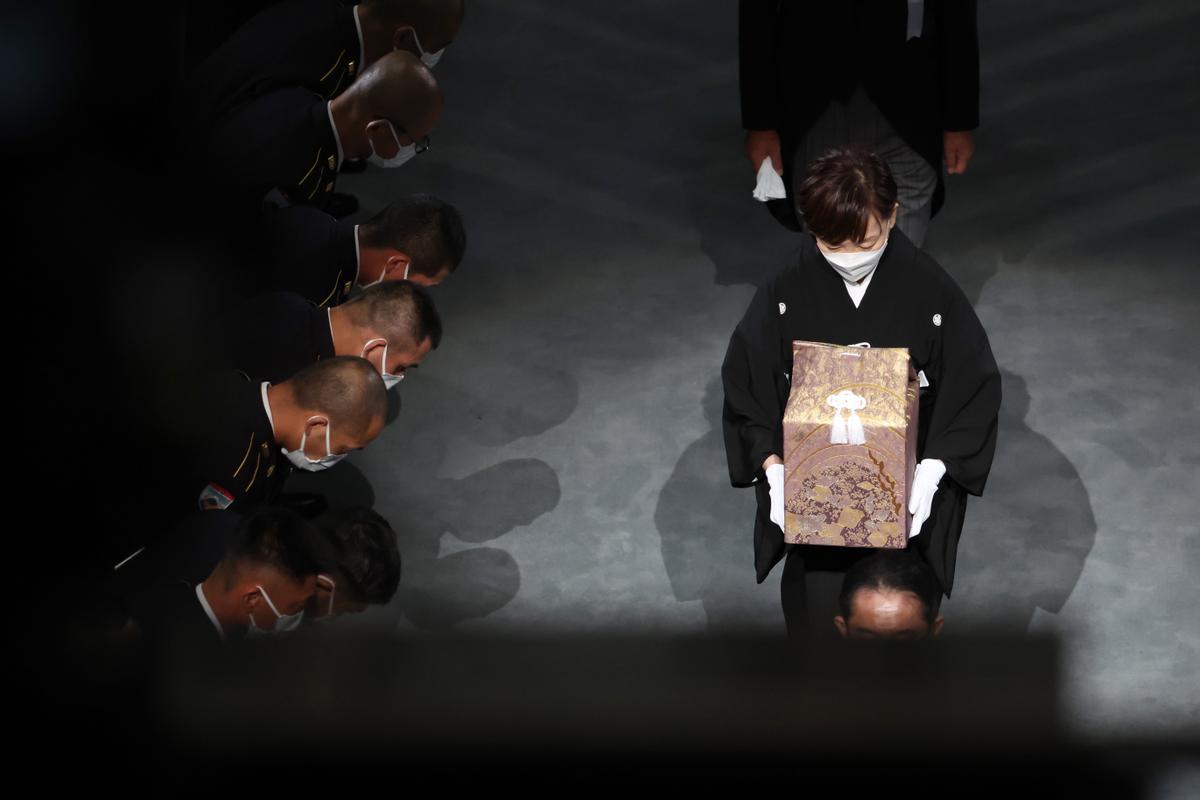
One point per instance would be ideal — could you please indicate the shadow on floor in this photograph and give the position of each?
(1025, 541)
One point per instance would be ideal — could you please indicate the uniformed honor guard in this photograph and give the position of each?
(304, 250)
(393, 326)
(249, 434)
(293, 141)
(317, 45)
(259, 584)
(366, 564)
(859, 279)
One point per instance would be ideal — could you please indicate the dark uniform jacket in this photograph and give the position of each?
(312, 44)
(234, 461)
(274, 335)
(283, 140)
(302, 249)
(795, 56)
(156, 588)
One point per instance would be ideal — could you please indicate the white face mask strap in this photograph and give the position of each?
(395, 136)
(270, 605)
(332, 590)
(406, 267)
(304, 439)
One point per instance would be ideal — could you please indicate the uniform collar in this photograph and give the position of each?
(267, 408)
(362, 50)
(207, 608)
(333, 129)
(357, 256)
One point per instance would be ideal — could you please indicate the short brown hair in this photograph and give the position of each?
(843, 191)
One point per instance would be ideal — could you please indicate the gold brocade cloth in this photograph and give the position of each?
(850, 445)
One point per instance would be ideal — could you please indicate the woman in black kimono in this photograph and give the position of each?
(859, 279)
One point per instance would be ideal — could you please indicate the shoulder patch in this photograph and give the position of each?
(215, 498)
(937, 320)
(782, 308)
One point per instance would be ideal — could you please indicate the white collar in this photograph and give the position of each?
(361, 49)
(208, 610)
(267, 406)
(336, 138)
(858, 290)
(357, 256)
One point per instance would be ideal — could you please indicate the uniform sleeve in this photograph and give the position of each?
(755, 390)
(757, 71)
(962, 427)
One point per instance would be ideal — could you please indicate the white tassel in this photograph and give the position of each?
(854, 429)
(837, 431)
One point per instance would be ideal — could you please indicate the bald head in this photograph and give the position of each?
(399, 88)
(346, 389)
(389, 111)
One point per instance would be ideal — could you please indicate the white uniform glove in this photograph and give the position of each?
(924, 486)
(775, 481)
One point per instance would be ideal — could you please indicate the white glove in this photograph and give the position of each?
(775, 481)
(769, 185)
(925, 484)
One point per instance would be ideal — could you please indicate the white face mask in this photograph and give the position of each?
(381, 276)
(428, 59)
(283, 622)
(389, 380)
(302, 461)
(402, 155)
(855, 266)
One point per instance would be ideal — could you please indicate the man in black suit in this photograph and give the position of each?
(901, 78)
(304, 250)
(293, 141)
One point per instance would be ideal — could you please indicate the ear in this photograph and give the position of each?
(402, 37)
(396, 264)
(315, 427)
(839, 622)
(895, 215)
(250, 597)
(937, 626)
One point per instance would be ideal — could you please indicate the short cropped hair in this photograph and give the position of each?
(278, 538)
(894, 570)
(347, 388)
(366, 555)
(400, 311)
(843, 191)
(429, 230)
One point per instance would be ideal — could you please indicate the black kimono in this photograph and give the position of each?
(910, 302)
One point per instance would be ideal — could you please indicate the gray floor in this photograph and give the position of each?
(557, 464)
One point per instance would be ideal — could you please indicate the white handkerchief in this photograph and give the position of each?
(769, 185)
